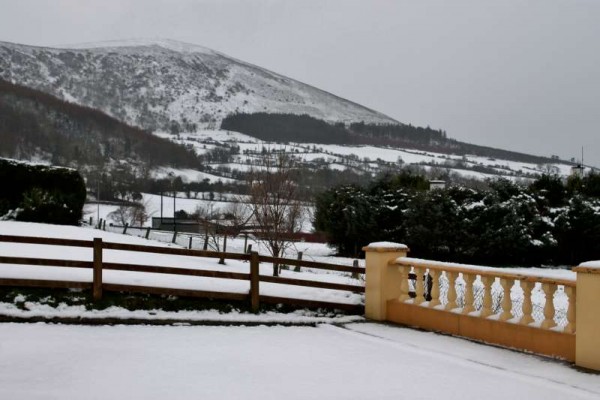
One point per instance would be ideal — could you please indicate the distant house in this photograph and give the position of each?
(436, 184)
(577, 170)
(194, 226)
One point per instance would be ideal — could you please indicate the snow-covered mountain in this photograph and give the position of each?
(168, 85)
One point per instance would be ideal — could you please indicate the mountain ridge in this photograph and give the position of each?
(164, 85)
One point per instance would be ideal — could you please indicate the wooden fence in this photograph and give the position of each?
(253, 276)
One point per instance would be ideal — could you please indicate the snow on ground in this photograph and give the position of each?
(36, 309)
(165, 260)
(189, 175)
(221, 203)
(363, 361)
(220, 136)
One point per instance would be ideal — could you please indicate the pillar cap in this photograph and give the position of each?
(590, 267)
(386, 247)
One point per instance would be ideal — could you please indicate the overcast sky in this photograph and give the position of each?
(521, 75)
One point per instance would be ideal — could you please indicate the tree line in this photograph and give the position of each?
(549, 222)
(284, 128)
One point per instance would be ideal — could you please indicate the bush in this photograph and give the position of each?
(41, 193)
(547, 223)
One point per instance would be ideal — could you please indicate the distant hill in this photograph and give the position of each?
(169, 86)
(306, 129)
(35, 125)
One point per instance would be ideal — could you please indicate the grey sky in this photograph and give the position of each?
(521, 75)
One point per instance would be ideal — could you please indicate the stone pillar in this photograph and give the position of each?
(587, 328)
(382, 281)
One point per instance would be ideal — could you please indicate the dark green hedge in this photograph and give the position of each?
(41, 193)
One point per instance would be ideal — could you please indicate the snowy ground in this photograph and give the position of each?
(358, 361)
(340, 157)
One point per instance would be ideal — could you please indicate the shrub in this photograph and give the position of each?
(41, 193)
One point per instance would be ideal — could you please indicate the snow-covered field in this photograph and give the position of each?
(357, 361)
(358, 158)
(349, 360)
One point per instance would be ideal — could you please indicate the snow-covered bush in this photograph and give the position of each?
(549, 222)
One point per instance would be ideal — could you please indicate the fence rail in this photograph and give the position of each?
(97, 265)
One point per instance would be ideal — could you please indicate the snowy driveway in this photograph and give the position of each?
(360, 361)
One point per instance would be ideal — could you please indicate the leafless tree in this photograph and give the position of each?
(274, 203)
(131, 213)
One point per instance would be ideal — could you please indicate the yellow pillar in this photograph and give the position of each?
(382, 280)
(587, 329)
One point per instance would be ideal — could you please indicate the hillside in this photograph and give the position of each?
(274, 127)
(35, 125)
(169, 86)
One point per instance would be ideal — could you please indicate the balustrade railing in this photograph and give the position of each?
(518, 298)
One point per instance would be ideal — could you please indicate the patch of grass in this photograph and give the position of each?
(77, 297)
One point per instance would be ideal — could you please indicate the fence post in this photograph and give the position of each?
(104, 225)
(97, 278)
(174, 237)
(254, 280)
(222, 259)
(355, 265)
(587, 327)
(148, 233)
(190, 245)
(249, 249)
(297, 269)
(245, 243)
(125, 228)
(382, 282)
(99, 225)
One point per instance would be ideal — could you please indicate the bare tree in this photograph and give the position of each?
(131, 213)
(274, 203)
(205, 215)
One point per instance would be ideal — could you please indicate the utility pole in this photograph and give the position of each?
(98, 199)
(174, 215)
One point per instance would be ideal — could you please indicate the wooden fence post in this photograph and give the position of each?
(104, 225)
(125, 228)
(245, 243)
(297, 269)
(190, 245)
(148, 233)
(97, 279)
(254, 279)
(174, 237)
(355, 265)
(222, 259)
(249, 249)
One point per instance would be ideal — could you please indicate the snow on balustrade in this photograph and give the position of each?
(543, 299)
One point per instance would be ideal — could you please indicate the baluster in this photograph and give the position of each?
(451, 304)
(571, 318)
(469, 298)
(486, 308)
(527, 287)
(419, 285)
(506, 284)
(549, 289)
(435, 288)
(404, 289)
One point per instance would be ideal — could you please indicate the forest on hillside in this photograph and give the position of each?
(285, 128)
(36, 125)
